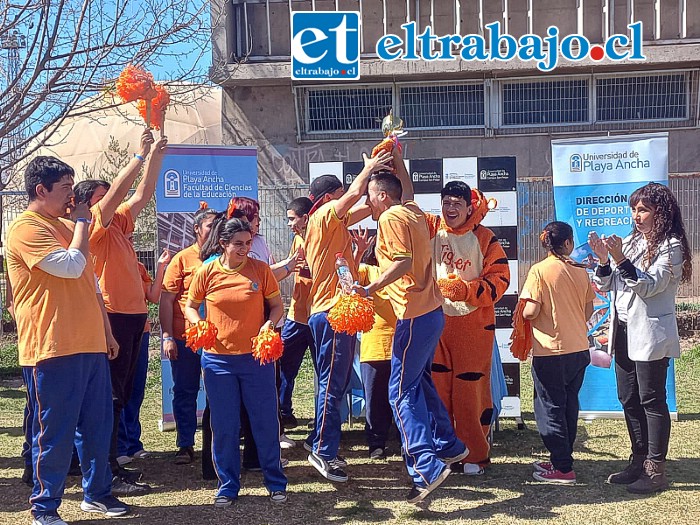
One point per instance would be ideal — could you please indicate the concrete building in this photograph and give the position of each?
(457, 108)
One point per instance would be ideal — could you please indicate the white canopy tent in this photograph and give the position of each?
(193, 117)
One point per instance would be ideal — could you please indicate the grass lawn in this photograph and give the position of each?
(506, 494)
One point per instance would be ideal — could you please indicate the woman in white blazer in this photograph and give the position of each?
(643, 278)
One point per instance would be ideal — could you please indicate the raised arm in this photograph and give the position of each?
(154, 291)
(147, 187)
(359, 186)
(124, 180)
(402, 173)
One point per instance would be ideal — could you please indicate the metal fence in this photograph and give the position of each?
(535, 202)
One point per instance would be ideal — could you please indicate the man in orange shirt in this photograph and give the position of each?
(327, 235)
(296, 335)
(64, 342)
(405, 259)
(116, 266)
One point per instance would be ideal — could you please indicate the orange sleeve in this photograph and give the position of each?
(97, 228)
(590, 294)
(270, 288)
(433, 222)
(495, 277)
(198, 287)
(145, 276)
(173, 278)
(532, 288)
(32, 243)
(123, 219)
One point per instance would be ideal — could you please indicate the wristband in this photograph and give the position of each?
(366, 289)
(83, 219)
(286, 267)
(140, 157)
(168, 339)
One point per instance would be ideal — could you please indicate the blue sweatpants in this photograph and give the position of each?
(28, 419)
(425, 427)
(296, 338)
(334, 355)
(129, 439)
(187, 371)
(72, 401)
(228, 379)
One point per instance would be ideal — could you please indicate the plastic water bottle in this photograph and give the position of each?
(344, 274)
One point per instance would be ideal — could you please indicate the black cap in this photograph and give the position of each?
(323, 185)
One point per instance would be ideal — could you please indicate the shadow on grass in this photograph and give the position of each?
(534, 500)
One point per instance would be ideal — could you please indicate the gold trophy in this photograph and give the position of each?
(392, 129)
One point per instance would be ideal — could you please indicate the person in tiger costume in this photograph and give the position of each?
(471, 269)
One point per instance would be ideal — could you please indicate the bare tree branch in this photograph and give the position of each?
(58, 54)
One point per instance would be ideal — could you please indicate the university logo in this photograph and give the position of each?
(575, 163)
(325, 45)
(172, 184)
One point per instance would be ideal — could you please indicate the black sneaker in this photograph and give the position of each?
(377, 453)
(289, 421)
(184, 456)
(223, 502)
(278, 496)
(339, 461)
(418, 494)
(328, 469)
(125, 487)
(132, 474)
(28, 476)
(48, 519)
(108, 506)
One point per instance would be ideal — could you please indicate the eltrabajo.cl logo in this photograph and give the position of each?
(325, 45)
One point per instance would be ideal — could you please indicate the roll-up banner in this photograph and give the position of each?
(192, 174)
(593, 178)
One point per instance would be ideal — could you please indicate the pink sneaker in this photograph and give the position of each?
(542, 466)
(555, 476)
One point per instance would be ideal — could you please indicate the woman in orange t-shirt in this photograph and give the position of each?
(236, 289)
(560, 302)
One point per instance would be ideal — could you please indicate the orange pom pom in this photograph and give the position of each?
(135, 83)
(201, 335)
(452, 288)
(267, 346)
(352, 314)
(387, 145)
(159, 104)
(203, 205)
(521, 337)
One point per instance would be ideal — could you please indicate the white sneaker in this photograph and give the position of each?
(124, 460)
(286, 443)
(472, 469)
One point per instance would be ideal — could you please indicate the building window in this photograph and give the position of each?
(527, 103)
(642, 97)
(442, 106)
(353, 109)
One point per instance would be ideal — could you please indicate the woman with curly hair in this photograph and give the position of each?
(643, 278)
